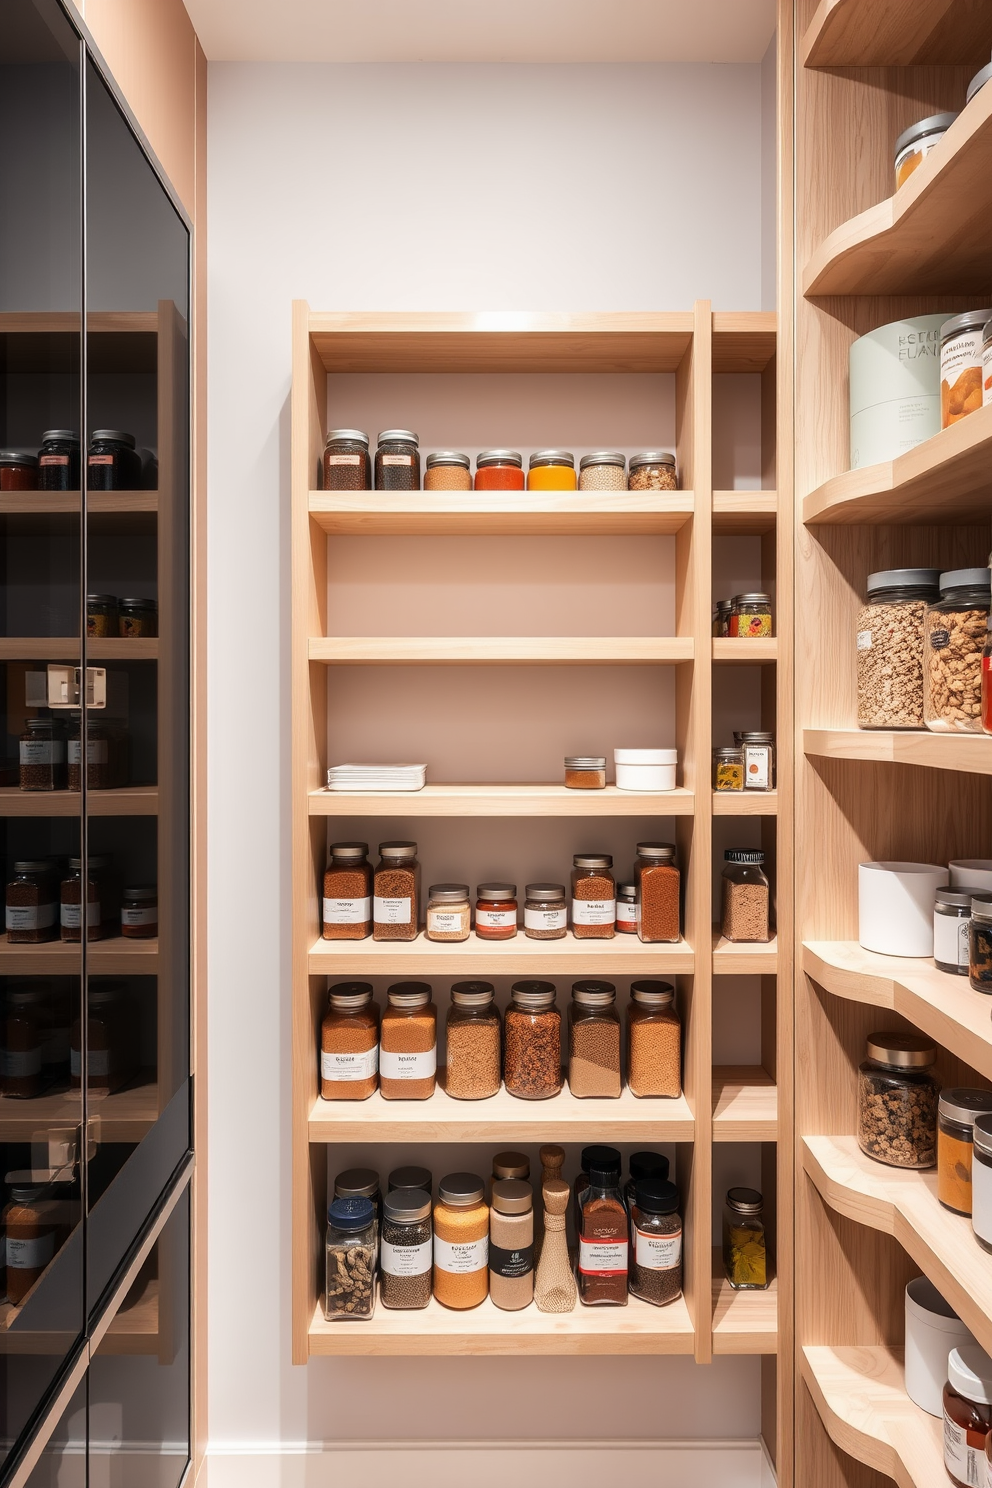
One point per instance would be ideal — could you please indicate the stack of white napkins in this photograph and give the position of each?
(377, 777)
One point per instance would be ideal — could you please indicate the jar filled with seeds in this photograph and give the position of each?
(654, 1040)
(746, 897)
(627, 909)
(346, 464)
(406, 1250)
(350, 1260)
(349, 1043)
(496, 911)
(41, 755)
(532, 1055)
(653, 470)
(472, 1027)
(449, 913)
(656, 1263)
(890, 629)
(461, 1241)
(447, 470)
(751, 616)
(594, 895)
(58, 460)
(408, 1043)
(603, 470)
(346, 909)
(113, 462)
(897, 1100)
(396, 892)
(397, 461)
(955, 629)
(551, 470)
(499, 470)
(658, 880)
(32, 902)
(594, 1041)
(545, 912)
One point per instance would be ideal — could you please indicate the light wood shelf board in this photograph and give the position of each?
(860, 1394)
(500, 650)
(744, 340)
(745, 649)
(134, 800)
(896, 33)
(624, 955)
(745, 803)
(971, 753)
(743, 1322)
(744, 513)
(904, 1204)
(737, 958)
(941, 1005)
(945, 479)
(124, 1116)
(637, 1328)
(469, 800)
(934, 236)
(510, 513)
(117, 957)
(503, 1118)
(745, 1104)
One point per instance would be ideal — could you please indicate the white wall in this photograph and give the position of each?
(405, 187)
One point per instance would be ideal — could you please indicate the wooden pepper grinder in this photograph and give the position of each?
(554, 1284)
(552, 1162)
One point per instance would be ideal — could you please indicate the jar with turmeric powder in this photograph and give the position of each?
(349, 1043)
(461, 1241)
(551, 470)
(957, 1110)
(408, 1043)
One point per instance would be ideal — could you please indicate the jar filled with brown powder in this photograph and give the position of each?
(654, 1040)
(349, 1043)
(656, 1263)
(603, 1243)
(26, 1027)
(532, 1056)
(511, 1245)
(594, 896)
(30, 1227)
(657, 880)
(32, 902)
(585, 771)
(746, 897)
(594, 1041)
(347, 899)
(447, 470)
(396, 890)
(545, 912)
(461, 1241)
(473, 1038)
(408, 1043)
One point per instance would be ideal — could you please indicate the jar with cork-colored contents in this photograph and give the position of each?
(32, 902)
(350, 1260)
(408, 1043)
(472, 1029)
(957, 1110)
(461, 1242)
(955, 630)
(499, 470)
(889, 630)
(594, 1041)
(397, 461)
(967, 1403)
(551, 470)
(449, 912)
(511, 1245)
(594, 894)
(585, 771)
(139, 912)
(658, 884)
(346, 464)
(406, 1251)
(396, 892)
(897, 1100)
(496, 911)
(346, 907)
(627, 909)
(532, 1041)
(746, 897)
(654, 1040)
(447, 470)
(99, 773)
(349, 1043)
(545, 912)
(603, 470)
(603, 1240)
(653, 470)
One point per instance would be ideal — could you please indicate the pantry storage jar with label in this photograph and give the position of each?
(397, 461)
(139, 912)
(350, 1248)
(967, 1414)
(496, 911)
(408, 1043)
(461, 1241)
(30, 1229)
(951, 928)
(100, 914)
(472, 1029)
(32, 907)
(957, 1110)
(511, 1245)
(961, 365)
(406, 1250)
(656, 1229)
(396, 892)
(594, 910)
(894, 389)
(349, 1043)
(26, 1025)
(347, 466)
(545, 912)
(890, 642)
(449, 914)
(41, 755)
(603, 1240)
(594, 1041)
(347, 898)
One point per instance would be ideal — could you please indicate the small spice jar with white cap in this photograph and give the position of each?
(967, 1414)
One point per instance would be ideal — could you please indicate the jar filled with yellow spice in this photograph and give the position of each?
(461, 1241)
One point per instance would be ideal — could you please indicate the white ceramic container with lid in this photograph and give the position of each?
(895, 907)
(895, 389)
(933, 1328)
(645, 769)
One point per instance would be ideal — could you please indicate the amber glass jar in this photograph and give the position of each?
(25, 1035)
(29, 1222)
(102, 616)
(98, 769)
(137, 618)
(112, 1046)
(967, 1405)
(957, 1109)
(346, 463)
(532, 1042)
(397, 461)
(496, 911)
(32, 903)
(139, 912)
(408, 1043)
(99, 916)
(499, 470)
(347, 900)
(551, 470)
(349, 1043)
(594, 897)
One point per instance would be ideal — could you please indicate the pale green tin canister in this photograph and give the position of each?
(895, 389)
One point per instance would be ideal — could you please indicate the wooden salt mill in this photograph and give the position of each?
(552, 1162)
(554, 1284)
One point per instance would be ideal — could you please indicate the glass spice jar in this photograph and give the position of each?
(25, 1032)
(99, 915)
(985, 699)
(102, 617)
(461, 1241)
(113, 463)
(728, 768)
(603, 470)
(626, 909)
(603, 1240)
(890, 628)
(406, 1251)
(897, 1101)
(472, 1029)
(746, 897)
(594, 1041)
(346, 463)
(111, 1040)
(349, 1253)
(18, 471)
(496, 911)
(951, 924)
(967, 1402)
(721, 619)
(654, 1041)
(957, 1110)
(551, 470)
(758, 752)
(449, 914)
(585, 771)
(745, 1255)
(41, 755)
(499, 470)
(58, 460)
(545, 912)
(980, 943)
(751, 616)
(137, 618)
(511, 1245)
(594, 909)
(658, 884)
(954, 640)
(349, 1043)
(447, 470)
(346, 909)
(606, 1158)
(139, 912)
(532, 1042)
(396, 892)
(32, 903)
(397, 461)
(656, 1262)
(30, 1226)
(408, 1043)
(653, 470)
(915, 143)
(98, 772)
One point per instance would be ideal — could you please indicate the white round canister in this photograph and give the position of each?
(971, 873)
(645, 769)
(895, 389)
(933, 1328)
(895, 907)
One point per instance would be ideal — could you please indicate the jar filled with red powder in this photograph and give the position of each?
(496, 911)
(658, 881)
(499, 470)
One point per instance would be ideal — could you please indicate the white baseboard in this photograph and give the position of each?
(740, 1463)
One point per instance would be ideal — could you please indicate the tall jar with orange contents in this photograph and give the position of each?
(461, 1241)
(551, 470)
(499, 470)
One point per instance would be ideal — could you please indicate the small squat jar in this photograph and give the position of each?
(496, 911)
(658, 882)
(967, 1414)
(594, 897)
(349, 1252)
(897, 1101)
(551, 470)
(447, 470)
(32, 903)
(653, 470)
(654, 1041)
(349, 1043)
(499, 470)
(346, 463)
(102, 616)
(915, 143)
(461, 1241)
(113, 463)
(346, 909)
(30, 1228)
(397, 461)
(585, 771)
(603, 470)
(532, 1054)
(41, 756)
(472, 1029)
(728, 768)
(594, 1042)
(745, 1255)
(746, 897)
(18, 471)
(58, 460)
(951, 924)
(406, 1251)
(980, 943)
(751, 616)
(981, 1181)
(545, 912)
(408, 1043)
(137, 618)
(139, 912)
(627, 909)
(511, 1245)
(449, 914)
(957, 1109)
(656, 1228)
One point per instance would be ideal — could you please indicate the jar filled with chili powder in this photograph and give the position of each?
(347, 898)
(499, 470)
(139, 912)
(657, 880)
(603, 1240)
(496, 911)
(18, 471)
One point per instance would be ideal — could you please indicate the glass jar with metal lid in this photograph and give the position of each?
(139, 912)
(350, 1255)
(32, 902)
(980, 943)
(98, 768)
(408, 1043)
(890, 631)
(111, 1039)
(18, 471)
(751, 615)
(58, 460)
(745, 1254)
(449, 914)
(461, 1241)
(603, 470)
(915, 143)
(585, 771)
(654, 1041)
(987, 364)
(396, 892)
(113, 463)
(746, 896)
(406, 1252)
(721, 620)
(499, 470)
(102, 616)
(472, 1029)
(346, 463)
(26, 1023)
(951, 927)
(101, 916)
(897, 1100)
(137, 617)
(658, 881)
(29, 1223)
(653, 470)
(594, 1041)
(551, 470)
(978, 82)
(41, 755)
(496, 911)
(961, 343)
(532, 1041)
(349, 1043)
(346, 906)
(594, 897)
(758, 750)
(954, 639)
(981, 1181)
(627, 909)
(397, 461)
(957, 1109)
(728, 768)
(447, 470)
(545, 912)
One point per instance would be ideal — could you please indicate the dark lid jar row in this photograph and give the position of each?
(113, 463)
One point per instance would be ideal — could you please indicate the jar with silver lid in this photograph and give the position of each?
(58, 460)
(447, 470)
(603, 470)
(721, 620)
(653, 470)
(347, 466)
(915, 143)
(758, 750)
(951, 927)
(585, 771)
(961, 365)
(499, 470)
(449, 915)
(978, 82)
(551, 470)
(397, 461)
(627, 909)
(751, 615)
(545, 912)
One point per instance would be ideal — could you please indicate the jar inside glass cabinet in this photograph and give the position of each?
(100, 913)
(18, 471)
(98, 745)
(139, 912)
(897, 1100)
(137, 617)
(397, 461)
(955, 630)
(346, 463)
(102, 616)
(890, 631)
(112, 1044)
(41, 755)
(30, 1226)
(113, 463)
(58, 460)
(25, 1036)
(32, 902)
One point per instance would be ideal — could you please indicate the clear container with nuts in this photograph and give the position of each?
(890, 631)
(653, 470)
(955, 630)
(897, 1100)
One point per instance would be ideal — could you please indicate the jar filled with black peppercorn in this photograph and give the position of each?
(406, 1251)
(656, 1226)
(41, 755)
(32, 902)
(980, 944)
(347, 466)
(58, 460)
(397, 461)
(113, 463)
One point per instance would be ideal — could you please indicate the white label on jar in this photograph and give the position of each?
(626, 915)
(392, 911)
(960, 376)
(407, 1260)
(594, 911)
(757, 758)
(496, 919)
(462, 1256)
(987, 374)
(950, 939)
(140, 916)
(31, 1254)
(964, 1453)
(602, 1257)
(657, 1252)
(351, 911)
(864, 640)
(30, 916)
(342, 459)
(422, 1066)
(98, 1062)
(42, 751)
(446, 922)
(546, 919)
(349, 1066)
(396, 459)
(20, 1064)
(72, 917)
(96, 751)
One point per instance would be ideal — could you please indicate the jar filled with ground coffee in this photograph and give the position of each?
(101, 915)
(396, 892)
(656, 1262)
(532, 1055)
(594, 895)
(32, 902)
(346, 463)
(449, 912)
(137, 618)
(654, 1040)
(603, 470)
(461, 1241)
(98, 769)
(603, 1240)
(113, 463)
(499, 470)
(397, 461)
(496, 911)
(897, 1100)
(29, 1222)
(139, 912)
(472, 1030)
(350, 1255)
(58, 460)
(25, 1034)
(408, 1043)
(447, 470)
(653, 470)
(957, 1111)
(511, 1245)
(41, 755)
(627, 909)
(746, 897)
(545, 912)
(18, 471)
(594, 1041)
(346, 910)
(658, 883)
(406, 1252)
(349, 1043)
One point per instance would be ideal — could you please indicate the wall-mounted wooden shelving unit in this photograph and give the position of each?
(866, 69)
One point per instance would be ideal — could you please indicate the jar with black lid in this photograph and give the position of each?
(397, 461)
(99, 916)
(955, 630)
(346, 464)
(890, 629)
(98, 770)
(980, 943)
(32, 903)
(951, 926)
(139, 912)
(113, 463)
(137, 617)
(58, 460)
(102, 616)
(18, 471)
(957, 1110)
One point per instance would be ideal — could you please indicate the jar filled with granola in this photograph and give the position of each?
(653, 470)
(955, 631)
(532, 1031)
(890, 629)
(897, 1100)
